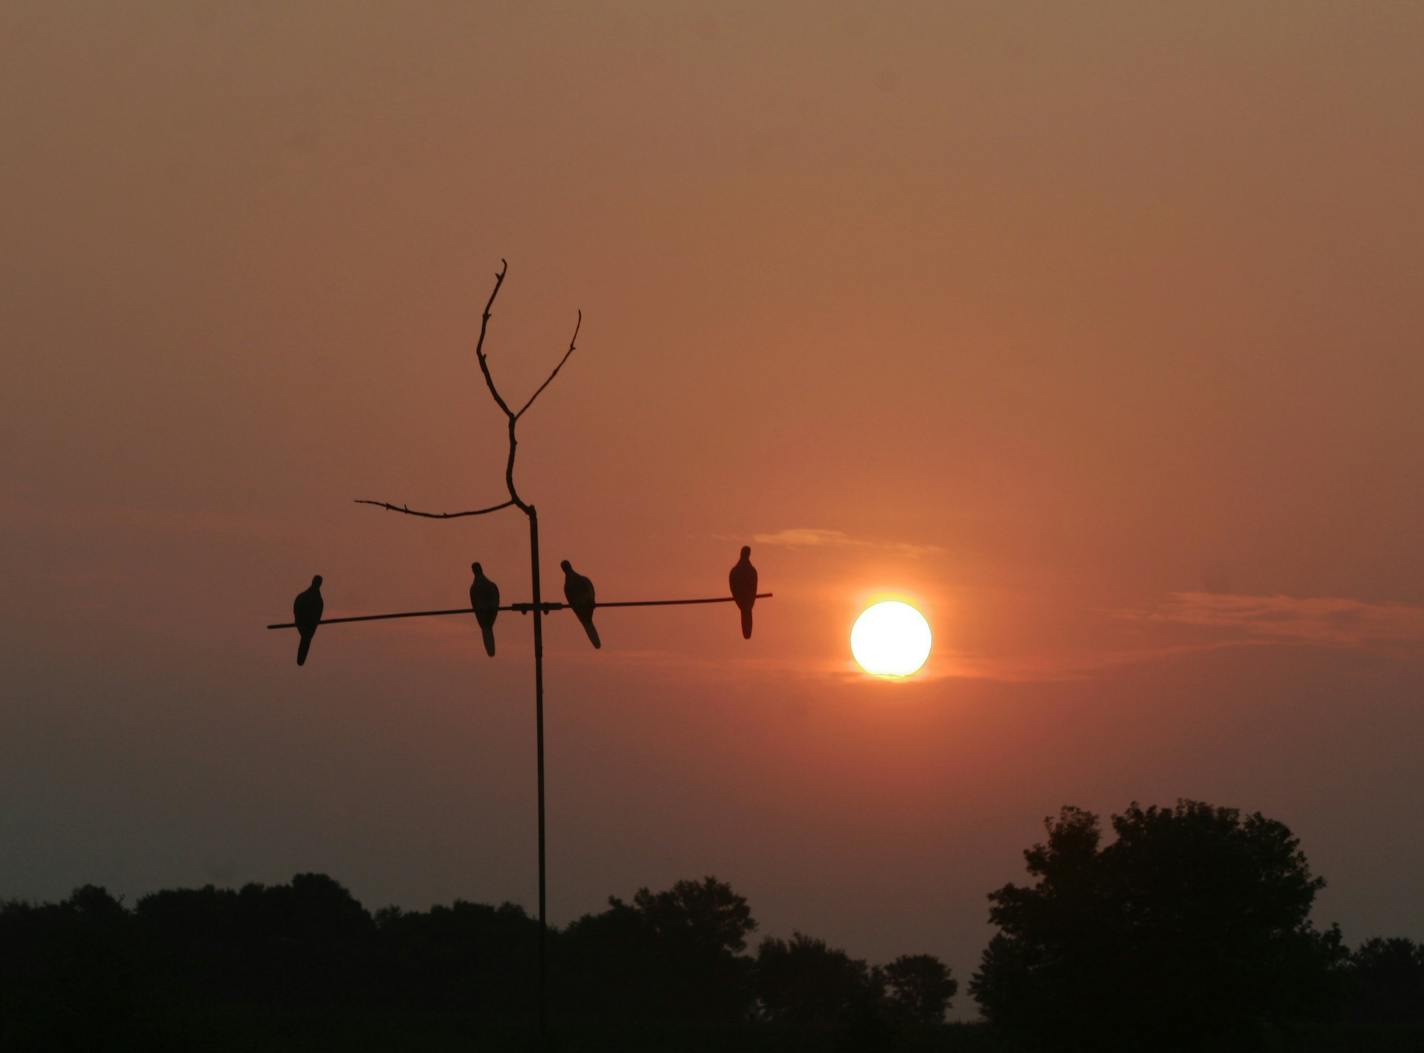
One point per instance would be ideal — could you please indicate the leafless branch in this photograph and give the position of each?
(480, 344)
(510, 415)
(434, 515)
(555, 373)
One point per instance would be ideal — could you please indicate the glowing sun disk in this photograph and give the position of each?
(890, 639)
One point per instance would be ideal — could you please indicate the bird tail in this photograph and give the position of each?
(592, 633)
(746, 623)
(302, 649)
(488, 631)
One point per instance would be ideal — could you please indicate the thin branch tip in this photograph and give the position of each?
(573, 340)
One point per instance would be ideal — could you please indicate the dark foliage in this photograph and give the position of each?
(920, 987)
(58, 957)
(803, 982)
(1386, 982)
(304, 943)
(305, 966)
(1190, 930)
(668, 955)
(467, 957)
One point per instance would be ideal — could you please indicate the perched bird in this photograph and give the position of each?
(484, 598)
(578, 590)
(306, 612)
(743, 580)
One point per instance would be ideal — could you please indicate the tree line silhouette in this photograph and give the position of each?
(1189, 931)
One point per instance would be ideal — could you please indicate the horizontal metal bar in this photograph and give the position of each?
(522, 608)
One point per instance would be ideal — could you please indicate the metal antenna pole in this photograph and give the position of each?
(539, 755)
(536, 605)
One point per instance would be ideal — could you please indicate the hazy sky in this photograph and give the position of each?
(1094, 329)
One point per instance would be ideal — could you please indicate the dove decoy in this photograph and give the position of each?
(743, 580)
(484, 598)
(578, 590)
(306, 612)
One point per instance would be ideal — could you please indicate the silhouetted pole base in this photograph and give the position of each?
(538, 608)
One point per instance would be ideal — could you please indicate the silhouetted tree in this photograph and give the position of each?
(298, 943)
(668, 955)
(804, 983)
(67, 972)
(1192, 927)
(920, 987)
(1387, 981)
(461, 957)
(196, 940)
(706, 914)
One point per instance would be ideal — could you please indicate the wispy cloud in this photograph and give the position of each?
(1227, 622)
(816, 537)
(1332, 621)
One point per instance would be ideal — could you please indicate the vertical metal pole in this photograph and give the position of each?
(539, 748)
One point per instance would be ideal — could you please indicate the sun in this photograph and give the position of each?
(890, 639)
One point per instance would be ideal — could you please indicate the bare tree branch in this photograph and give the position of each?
(434, 515)
(514, 497)
(555, 373)
(510, 415)
(480, 344)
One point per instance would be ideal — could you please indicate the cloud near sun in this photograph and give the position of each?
(815, 537)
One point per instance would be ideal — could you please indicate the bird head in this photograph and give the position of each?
(316, 581)
(746, 552)
(476, 568)
(568, 567)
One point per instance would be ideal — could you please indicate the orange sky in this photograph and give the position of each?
(1094, 328)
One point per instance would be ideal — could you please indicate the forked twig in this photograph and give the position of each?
(511, 416)
(555, 373)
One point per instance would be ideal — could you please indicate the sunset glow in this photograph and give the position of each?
(890, 639)
(1057, 365)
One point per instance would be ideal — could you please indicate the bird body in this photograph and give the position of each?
(578, 591)
(484, 598)
(306, 612)
(743, 580)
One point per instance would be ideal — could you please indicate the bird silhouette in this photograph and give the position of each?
(306, 612)
(578, 590)
(743, 580)
(484, 598)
